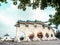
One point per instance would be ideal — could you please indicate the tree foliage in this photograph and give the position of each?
(3, 1)
(57, 34)
(37, 3)
(56, 18)
(42, 4)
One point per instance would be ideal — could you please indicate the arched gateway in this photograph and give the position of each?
(39, 35)
(38, 31)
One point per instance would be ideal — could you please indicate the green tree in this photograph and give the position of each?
(6, 35)
(42, 4)
(55, 19)
(3, 1)
(57, 34)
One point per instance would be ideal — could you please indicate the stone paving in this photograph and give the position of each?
(57, 42)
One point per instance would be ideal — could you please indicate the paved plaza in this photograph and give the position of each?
(57, 42)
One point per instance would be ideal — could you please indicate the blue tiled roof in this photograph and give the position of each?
(32, 22)
(17, 25)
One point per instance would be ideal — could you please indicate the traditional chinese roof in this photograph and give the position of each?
(17, 25)
(31, 22)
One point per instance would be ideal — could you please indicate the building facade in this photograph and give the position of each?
(33, 31)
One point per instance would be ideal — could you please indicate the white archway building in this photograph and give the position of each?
(33, 30)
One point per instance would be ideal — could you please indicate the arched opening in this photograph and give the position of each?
(31, 36)
(47, 35)
(22, 35)
(21, 38)
(51, 35)
(39, 35)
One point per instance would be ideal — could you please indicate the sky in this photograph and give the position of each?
(10, 14)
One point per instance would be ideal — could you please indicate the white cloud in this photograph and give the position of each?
(6, 19)
(8, 23)
(12, 8)
(9, 16)
(42, 15)
(38, 14)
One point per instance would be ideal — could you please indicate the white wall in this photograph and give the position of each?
(31, 29)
